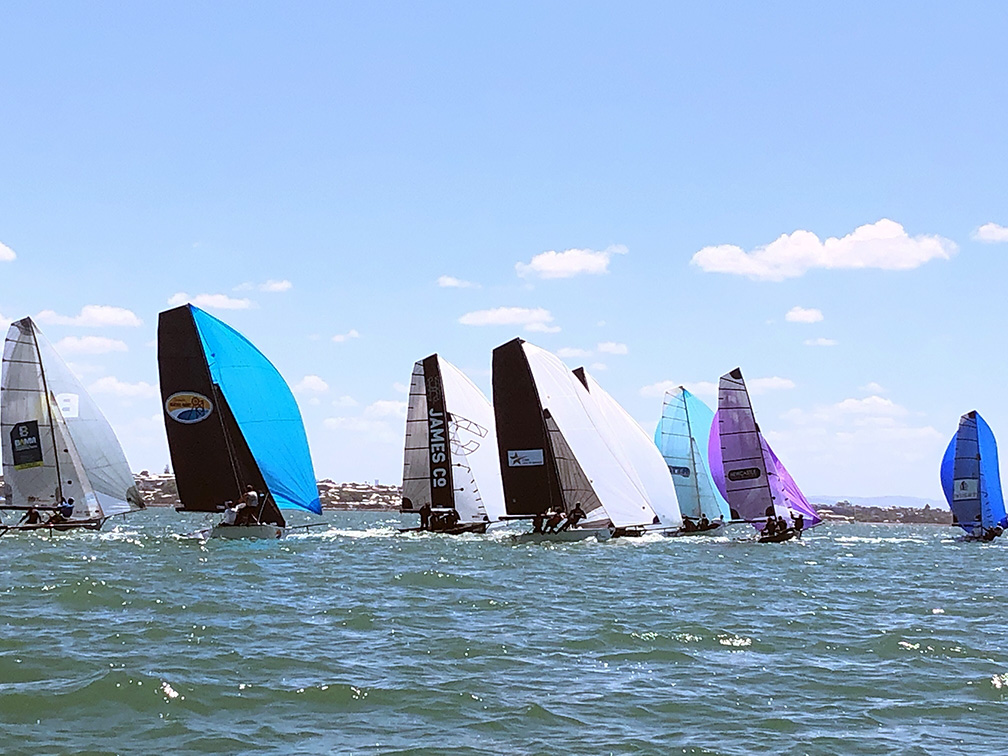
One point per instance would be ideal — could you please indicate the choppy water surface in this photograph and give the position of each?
(860, 639)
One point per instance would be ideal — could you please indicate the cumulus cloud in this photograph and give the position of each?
(5, 322)
(386, 408)
(400, 388)
(569, 263)
(339, 338)
(612, 347)
(873, 388)
(531, 318)
(6, 253)
(345, 401)
(211, 301)
(90, 345)
(450, 282)
(598, 367)
(311, 384)
(92, 316)
(884, 245)
(802, 315)
(763, 385)
(112, 385)
(823, 342)
(700, 388)
(988, 232)
(383, 421)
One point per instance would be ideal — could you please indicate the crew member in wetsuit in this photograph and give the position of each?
(554, 521)
(688, 525)
(537, 522)
(781, 524)
(771, 527)
(31, 517)
(799, 523)
(425, 516)
(576, 515)
(704, 523)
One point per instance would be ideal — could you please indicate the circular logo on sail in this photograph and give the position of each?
(188, 407)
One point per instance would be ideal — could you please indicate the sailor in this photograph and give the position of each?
(425, 522)
(554, 521)
(576, 515)
(31, 517)
(781, 524)
(231, 512)
(704, 523)
(771, 527)
(537, 522)
(799, 523)
(66, 508)
(452, 518)
(249, 507)
(688, 525)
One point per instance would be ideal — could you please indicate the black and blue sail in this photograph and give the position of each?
(231, 419)
(971, 479)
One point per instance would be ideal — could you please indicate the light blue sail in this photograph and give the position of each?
(971, 479)
(265, 411)
(681, 437)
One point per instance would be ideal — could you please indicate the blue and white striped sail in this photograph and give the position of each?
(970, 477)
(265, 411)
(682, 436)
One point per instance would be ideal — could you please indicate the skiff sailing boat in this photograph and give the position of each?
(632, 446)
(971, 479)
(749, 475)
(232, 423)
(451, 473)
(682, 436)
(57, 445)
(552, 455)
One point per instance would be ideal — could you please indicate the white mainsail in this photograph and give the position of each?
(65, 446)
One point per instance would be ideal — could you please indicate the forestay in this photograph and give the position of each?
(57, 444)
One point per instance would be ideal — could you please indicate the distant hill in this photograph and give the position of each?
(882, 502)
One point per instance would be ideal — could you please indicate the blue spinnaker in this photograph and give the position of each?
(265, 411)
(970, 478)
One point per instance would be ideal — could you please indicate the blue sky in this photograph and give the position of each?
(318, 169)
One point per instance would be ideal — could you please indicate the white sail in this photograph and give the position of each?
(566, 399)
(636, 451)
(78, 455)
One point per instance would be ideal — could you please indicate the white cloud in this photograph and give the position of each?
(339, 338)
(533, 319)
(884, 245)
(112, 385)
(311, 384)
(612, 347)
(762, 385)
(400, 388)
(823, 342)
(90, 345)
(598, 367)
(211, 301)
(5, 322)
(700, 388)
(386, 408)
(988, 232)
(570, 352)
(369, 429)
(92, 316)
(569, 263)
(276, 286)
(450, 282)
(873, 388)
(803, 315)
(345, 401)
(6, 253)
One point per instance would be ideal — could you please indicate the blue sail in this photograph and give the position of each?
(681, 436)
(970, 478)
(265, 411)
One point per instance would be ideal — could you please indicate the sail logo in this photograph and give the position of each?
(746, 473)
(965, 488)
(525, 457)
(26, 448)
(683, 472)
(436, 445)
(188, 407)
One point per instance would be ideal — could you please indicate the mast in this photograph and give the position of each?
(52, 423)
(689, 436)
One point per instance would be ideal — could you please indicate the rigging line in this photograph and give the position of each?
(52, 426)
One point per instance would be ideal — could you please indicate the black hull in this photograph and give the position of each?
(92, 524)
(787, 535)
(469, 527)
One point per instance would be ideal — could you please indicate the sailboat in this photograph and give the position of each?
(553, 457)
(971, 480)
(233, 425)
(58, 448)
(751, 478)
(682, 436)
(451, 473)
(632, 446)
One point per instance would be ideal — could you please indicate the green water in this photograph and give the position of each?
(861, 639)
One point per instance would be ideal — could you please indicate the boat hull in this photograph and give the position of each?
(715, 529)
(89, 524)
(787, 535)
(468, 527)
(564, 536)
(264, 532)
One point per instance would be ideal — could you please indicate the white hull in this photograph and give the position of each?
(267, 532)
(574, 534)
